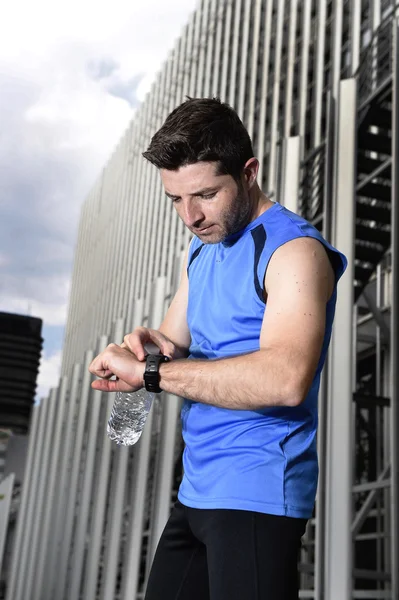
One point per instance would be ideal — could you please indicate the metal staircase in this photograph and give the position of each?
(372, 265)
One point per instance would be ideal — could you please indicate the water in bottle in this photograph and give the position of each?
(128, 416)
(130, 410)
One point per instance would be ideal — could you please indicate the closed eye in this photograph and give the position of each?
(173, 198)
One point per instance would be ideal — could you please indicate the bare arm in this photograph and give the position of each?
(298, 283)
(173, 336)
(174, 325)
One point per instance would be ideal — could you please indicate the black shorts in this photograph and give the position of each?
(220, 554)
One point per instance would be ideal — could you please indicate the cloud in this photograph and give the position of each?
(71, 75)
(49, 374)
(102, 68)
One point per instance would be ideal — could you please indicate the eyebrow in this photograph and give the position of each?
(199, 193)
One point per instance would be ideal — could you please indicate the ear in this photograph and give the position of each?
(251, 169)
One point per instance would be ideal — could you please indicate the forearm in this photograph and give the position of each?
(246, 382)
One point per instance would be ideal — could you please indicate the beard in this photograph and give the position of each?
(232, 219)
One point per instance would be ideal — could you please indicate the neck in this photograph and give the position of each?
(260, 202)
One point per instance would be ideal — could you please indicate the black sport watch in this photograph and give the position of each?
(151, 373)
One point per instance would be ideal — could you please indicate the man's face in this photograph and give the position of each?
(211, 206)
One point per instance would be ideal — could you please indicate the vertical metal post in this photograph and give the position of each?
(242, 73)
(319, 71)
(157, 311)
(165, 468)
(226, 51)
(290, 68)
(54, 518)
(139, 483)
(6, 488)
(339, 475)
(303, 104)
(79, 542)
(274, 133)
(71, 495)
(202, 45)
(208, 40)
(255, 34)
(196, 18)
(46, 496)
(290, 171)
(219, 11)
(41, 478)
(95, 542)
(38, 414)
(114, 529)
(394, 381)
(320, 532)
(264, 91)
(375, 23)
(233, 55)
(356, 15)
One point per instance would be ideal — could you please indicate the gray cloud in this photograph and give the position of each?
(127, 90)
(106, 70)
(43, 183)
(64, 105)
(102, 68)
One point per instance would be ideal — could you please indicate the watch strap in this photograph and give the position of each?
(151, 373)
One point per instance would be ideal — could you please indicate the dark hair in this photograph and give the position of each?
(201, 129)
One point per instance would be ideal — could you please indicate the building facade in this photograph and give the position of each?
(316, 83)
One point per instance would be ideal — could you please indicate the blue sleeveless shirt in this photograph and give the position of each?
(261, 460)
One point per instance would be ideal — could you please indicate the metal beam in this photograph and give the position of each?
(164, 474)
(290, 173)
(54, 517)
(139, 482)
(6, 489)
(46, 477)
(394, 379)
(79, 541)
(339, 473)
(38, 414)
(72, 494)
(90, 580)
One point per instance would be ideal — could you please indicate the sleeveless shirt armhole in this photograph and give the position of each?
(337, 259)
(259, 237)
(193, 251)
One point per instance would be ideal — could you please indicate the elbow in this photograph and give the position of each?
(294, 399)
(296, 393)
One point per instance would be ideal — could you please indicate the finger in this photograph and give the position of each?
(98, 369)
(141, 336)
(164, 344)
(135, 341)
(106, 385)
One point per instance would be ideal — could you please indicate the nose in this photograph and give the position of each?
(191, 214)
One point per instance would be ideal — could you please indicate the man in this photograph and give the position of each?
(253, 314)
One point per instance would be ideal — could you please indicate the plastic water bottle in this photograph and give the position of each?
(129, 412)
(128, 416)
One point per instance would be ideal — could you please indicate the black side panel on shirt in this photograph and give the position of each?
(259, 237)
(194, 255)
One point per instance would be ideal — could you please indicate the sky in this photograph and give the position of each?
(71, 76)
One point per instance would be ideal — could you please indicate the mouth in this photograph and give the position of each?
(204, 230)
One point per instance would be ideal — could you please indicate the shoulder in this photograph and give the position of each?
(302, 259)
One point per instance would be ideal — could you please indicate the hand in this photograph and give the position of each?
(136, 341)
(119, 362)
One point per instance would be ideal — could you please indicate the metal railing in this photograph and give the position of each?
(376, 60)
